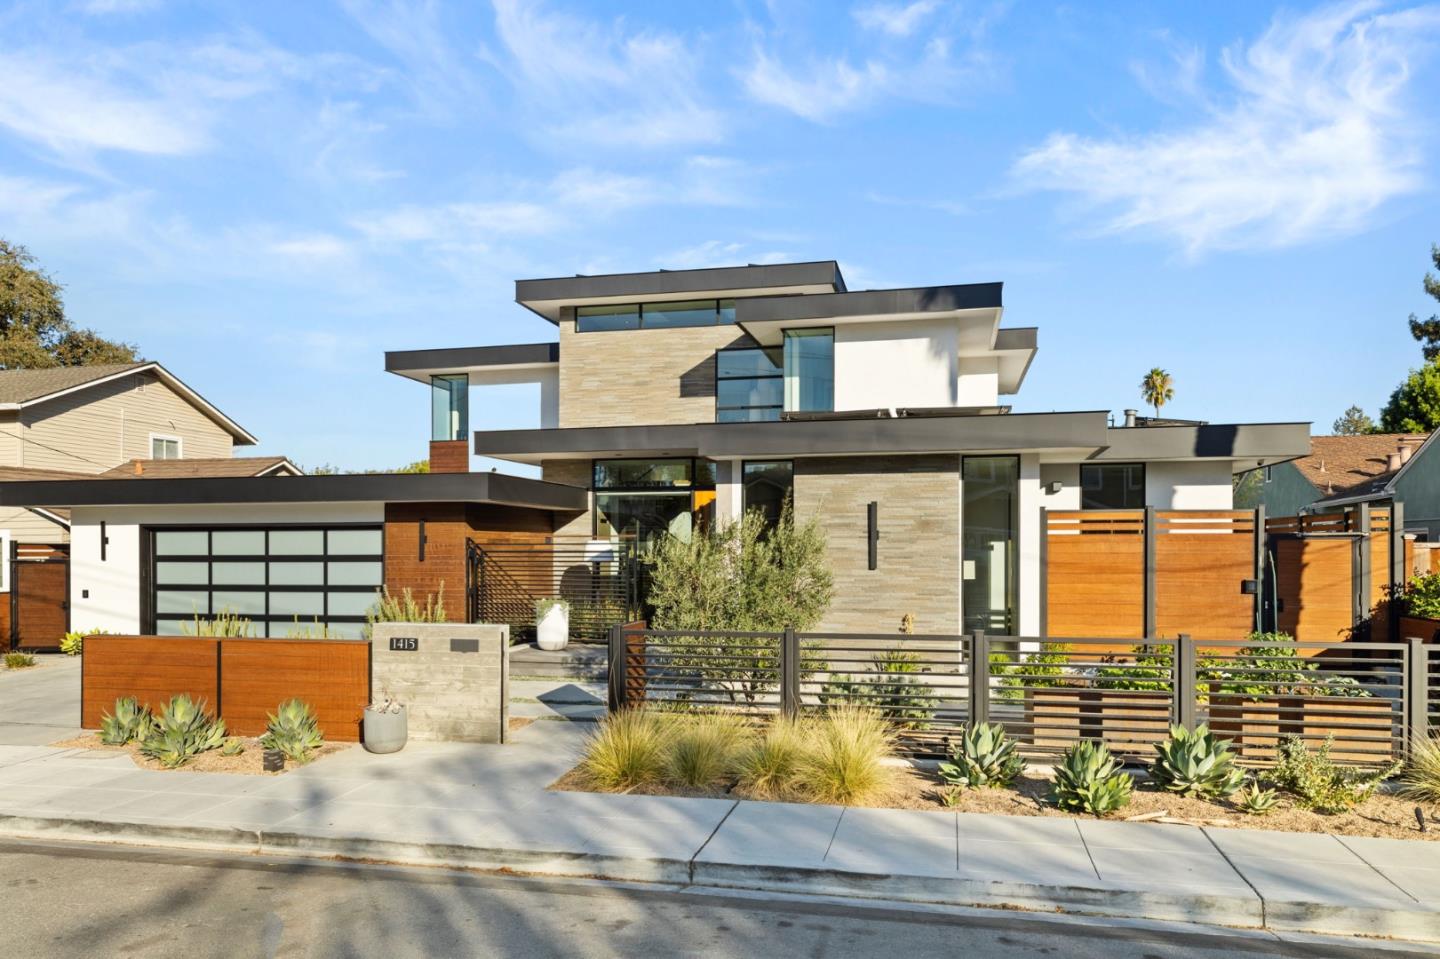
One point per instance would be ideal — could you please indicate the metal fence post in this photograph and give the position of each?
(1185, 681)
(1360, 575)
(615, 670)
(790, 673)
(979, 677)
(1417, 692)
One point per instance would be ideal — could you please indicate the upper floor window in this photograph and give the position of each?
(749, 385)
(809, 358)
(450, 406)
(654, 316)
(164, 447)
(1112, 486)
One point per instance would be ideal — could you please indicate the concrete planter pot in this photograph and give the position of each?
(385, 732)
(552, 631)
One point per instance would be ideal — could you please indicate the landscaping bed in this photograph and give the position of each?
(248, 762)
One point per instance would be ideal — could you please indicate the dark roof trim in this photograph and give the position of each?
(1235, 441)
(467, 357)
(819, 306)
(496, 488)
(1084, 430)
(668, 282)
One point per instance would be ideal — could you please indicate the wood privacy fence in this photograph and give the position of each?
(1048, 694)
(243, 680)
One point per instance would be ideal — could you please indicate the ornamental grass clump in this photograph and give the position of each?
(18, 660)
(294, 730)
(768, 765)
(405, 608)
(129, 722)
(182, 730)
(983, 756)
(1196, 763)
(844, 759)
(627, 750)
(702, 750)
(1318, 783)
(1089, 779)
(1421, 777)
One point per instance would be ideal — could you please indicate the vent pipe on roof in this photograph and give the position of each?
(1129, 419)
(139, 468)
(1406, 451)
(1393, 462)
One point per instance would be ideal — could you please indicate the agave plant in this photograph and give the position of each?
(130, 721)
(232, 747)
(1196, 764)
(1089, 779)
(293, 730)
(983, 756)
(181, 731)
(1256, 800)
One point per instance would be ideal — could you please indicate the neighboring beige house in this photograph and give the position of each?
(56, 423)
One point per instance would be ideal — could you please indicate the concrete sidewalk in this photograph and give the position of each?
(40, 704)
(487, 807)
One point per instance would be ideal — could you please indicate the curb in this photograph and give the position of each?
(1099, 900)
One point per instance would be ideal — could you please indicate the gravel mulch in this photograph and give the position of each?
(250, 762)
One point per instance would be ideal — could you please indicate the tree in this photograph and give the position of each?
(35, 333)
(1414, 407)
(1157, 389)
(329, 469)
(1353, 422)
(1427, 332)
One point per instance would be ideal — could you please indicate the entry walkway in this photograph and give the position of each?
(40, 704)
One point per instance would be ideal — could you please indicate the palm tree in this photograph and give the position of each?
(1156, 389)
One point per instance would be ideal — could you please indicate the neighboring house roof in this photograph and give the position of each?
(1357, 467)
(23, 388)
(183, 468)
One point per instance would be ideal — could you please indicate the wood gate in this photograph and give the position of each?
(39, 595)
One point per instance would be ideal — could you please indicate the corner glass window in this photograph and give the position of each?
(1112, 486)
(450, 406)
(809, 357)
(767, 486)
(599, 319)
(749, 385)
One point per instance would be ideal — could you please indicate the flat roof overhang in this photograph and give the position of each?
(495, 488)
(1249, 444)
(518, 362)
(546, 297)
(1082, 432)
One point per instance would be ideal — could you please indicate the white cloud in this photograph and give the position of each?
(441, 79)
(311, 246)
(898, 20)
(106, 7)
(714, 253)
(1310, 135)
(594, 84)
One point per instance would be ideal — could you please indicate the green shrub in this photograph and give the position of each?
(895, 690)
(130, 721)
(1089, 779)
(1421, 596)
(543, 606)
(294, 731)
(225, 624)
(1259, 671)
(405, 609)
(1196, 763)
(73, 644)
(18, 660)
(182, 730)
(702, 750)
(1044, 669)
(627, 750)
(983, 756)
(1421, 777)
(1255, 800)
(769, 765)
(844, 759)
(1318, 783)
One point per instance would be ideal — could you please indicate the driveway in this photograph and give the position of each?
(40, 705)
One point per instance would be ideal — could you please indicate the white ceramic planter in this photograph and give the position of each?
(385, 732)
(553, 631)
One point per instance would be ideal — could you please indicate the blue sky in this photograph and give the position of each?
(267, 196)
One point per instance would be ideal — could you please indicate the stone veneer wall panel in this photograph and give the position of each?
(919, 550)
(450, 694)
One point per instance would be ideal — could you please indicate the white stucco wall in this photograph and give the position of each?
(1199, 484)
(1028, 546)
(882, 365)
(106, 594)
(978, 383)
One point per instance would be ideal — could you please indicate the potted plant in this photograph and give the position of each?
(552, 623)
(386, 726)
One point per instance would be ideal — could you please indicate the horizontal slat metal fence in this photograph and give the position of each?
(604, 583)
(1050, 693)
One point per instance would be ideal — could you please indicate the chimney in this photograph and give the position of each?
(1406, 451)
(449, 456)
(1130, 419)
(1393, 462)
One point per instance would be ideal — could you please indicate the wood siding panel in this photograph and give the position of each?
(1095, 586)
(1201, 559)
(150, 668)
(257, 675)
(40, 604)
(27, 526)
(1313, 579)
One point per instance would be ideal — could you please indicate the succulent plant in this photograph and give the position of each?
(181, 731)
(983, 756)
(130, 721)
(1256, 800)
(1089, 779)
(293, 730)
(1196, 763)
(232, 747)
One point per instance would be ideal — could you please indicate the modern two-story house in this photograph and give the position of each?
(676, 398)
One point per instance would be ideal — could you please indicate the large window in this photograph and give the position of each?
(450, 406)
(749, 385)
(809, 370)
(767, 485)
(164, 447)
(990, 512)
(667, 314)
(1112, 486)
(282, 578)
(644, 499)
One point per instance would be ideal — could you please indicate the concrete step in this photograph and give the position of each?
(576, 661)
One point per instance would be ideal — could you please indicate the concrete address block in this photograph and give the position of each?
(454, 692)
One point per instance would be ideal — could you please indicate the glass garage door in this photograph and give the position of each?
(284, 579)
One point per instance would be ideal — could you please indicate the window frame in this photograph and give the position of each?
(688, 492)
(798, 333)
(179, 442)
(1144, 478)
(779, 374)
(658, 306)
(744, 485)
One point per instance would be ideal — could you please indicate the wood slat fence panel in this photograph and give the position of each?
(150, 668)
(1201, 560)
(1095, 573)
